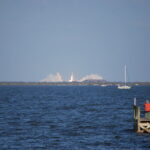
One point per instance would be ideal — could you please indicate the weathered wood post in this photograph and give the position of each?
(136, 116)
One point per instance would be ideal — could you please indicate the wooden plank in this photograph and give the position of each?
(144, 127)
(145, 120)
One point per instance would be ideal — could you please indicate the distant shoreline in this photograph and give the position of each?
(76, 83)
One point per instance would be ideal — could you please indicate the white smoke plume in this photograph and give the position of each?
(91, 77)
(53, 78)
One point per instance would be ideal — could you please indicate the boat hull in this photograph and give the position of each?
(124, 87)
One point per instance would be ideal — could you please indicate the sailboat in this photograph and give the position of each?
(125, 86)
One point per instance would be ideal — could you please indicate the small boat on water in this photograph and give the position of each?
(125, 86)
(104, 85)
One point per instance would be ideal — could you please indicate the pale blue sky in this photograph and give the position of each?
(38, 37)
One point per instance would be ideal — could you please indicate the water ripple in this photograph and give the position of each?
(69, 117)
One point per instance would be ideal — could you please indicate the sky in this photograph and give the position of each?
(41, 37)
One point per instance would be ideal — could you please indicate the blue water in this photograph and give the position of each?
(70, 118)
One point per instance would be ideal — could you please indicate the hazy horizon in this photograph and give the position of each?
(54, 78)
(41, 37)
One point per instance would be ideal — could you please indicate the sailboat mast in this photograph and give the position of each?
(125, 80)
(125, 76)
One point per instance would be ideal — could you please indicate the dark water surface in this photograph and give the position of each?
(70, 118)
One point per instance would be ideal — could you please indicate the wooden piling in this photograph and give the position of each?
(141, 125)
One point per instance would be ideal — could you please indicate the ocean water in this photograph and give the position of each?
(70, 118)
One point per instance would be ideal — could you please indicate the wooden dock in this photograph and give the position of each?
(141, 125)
